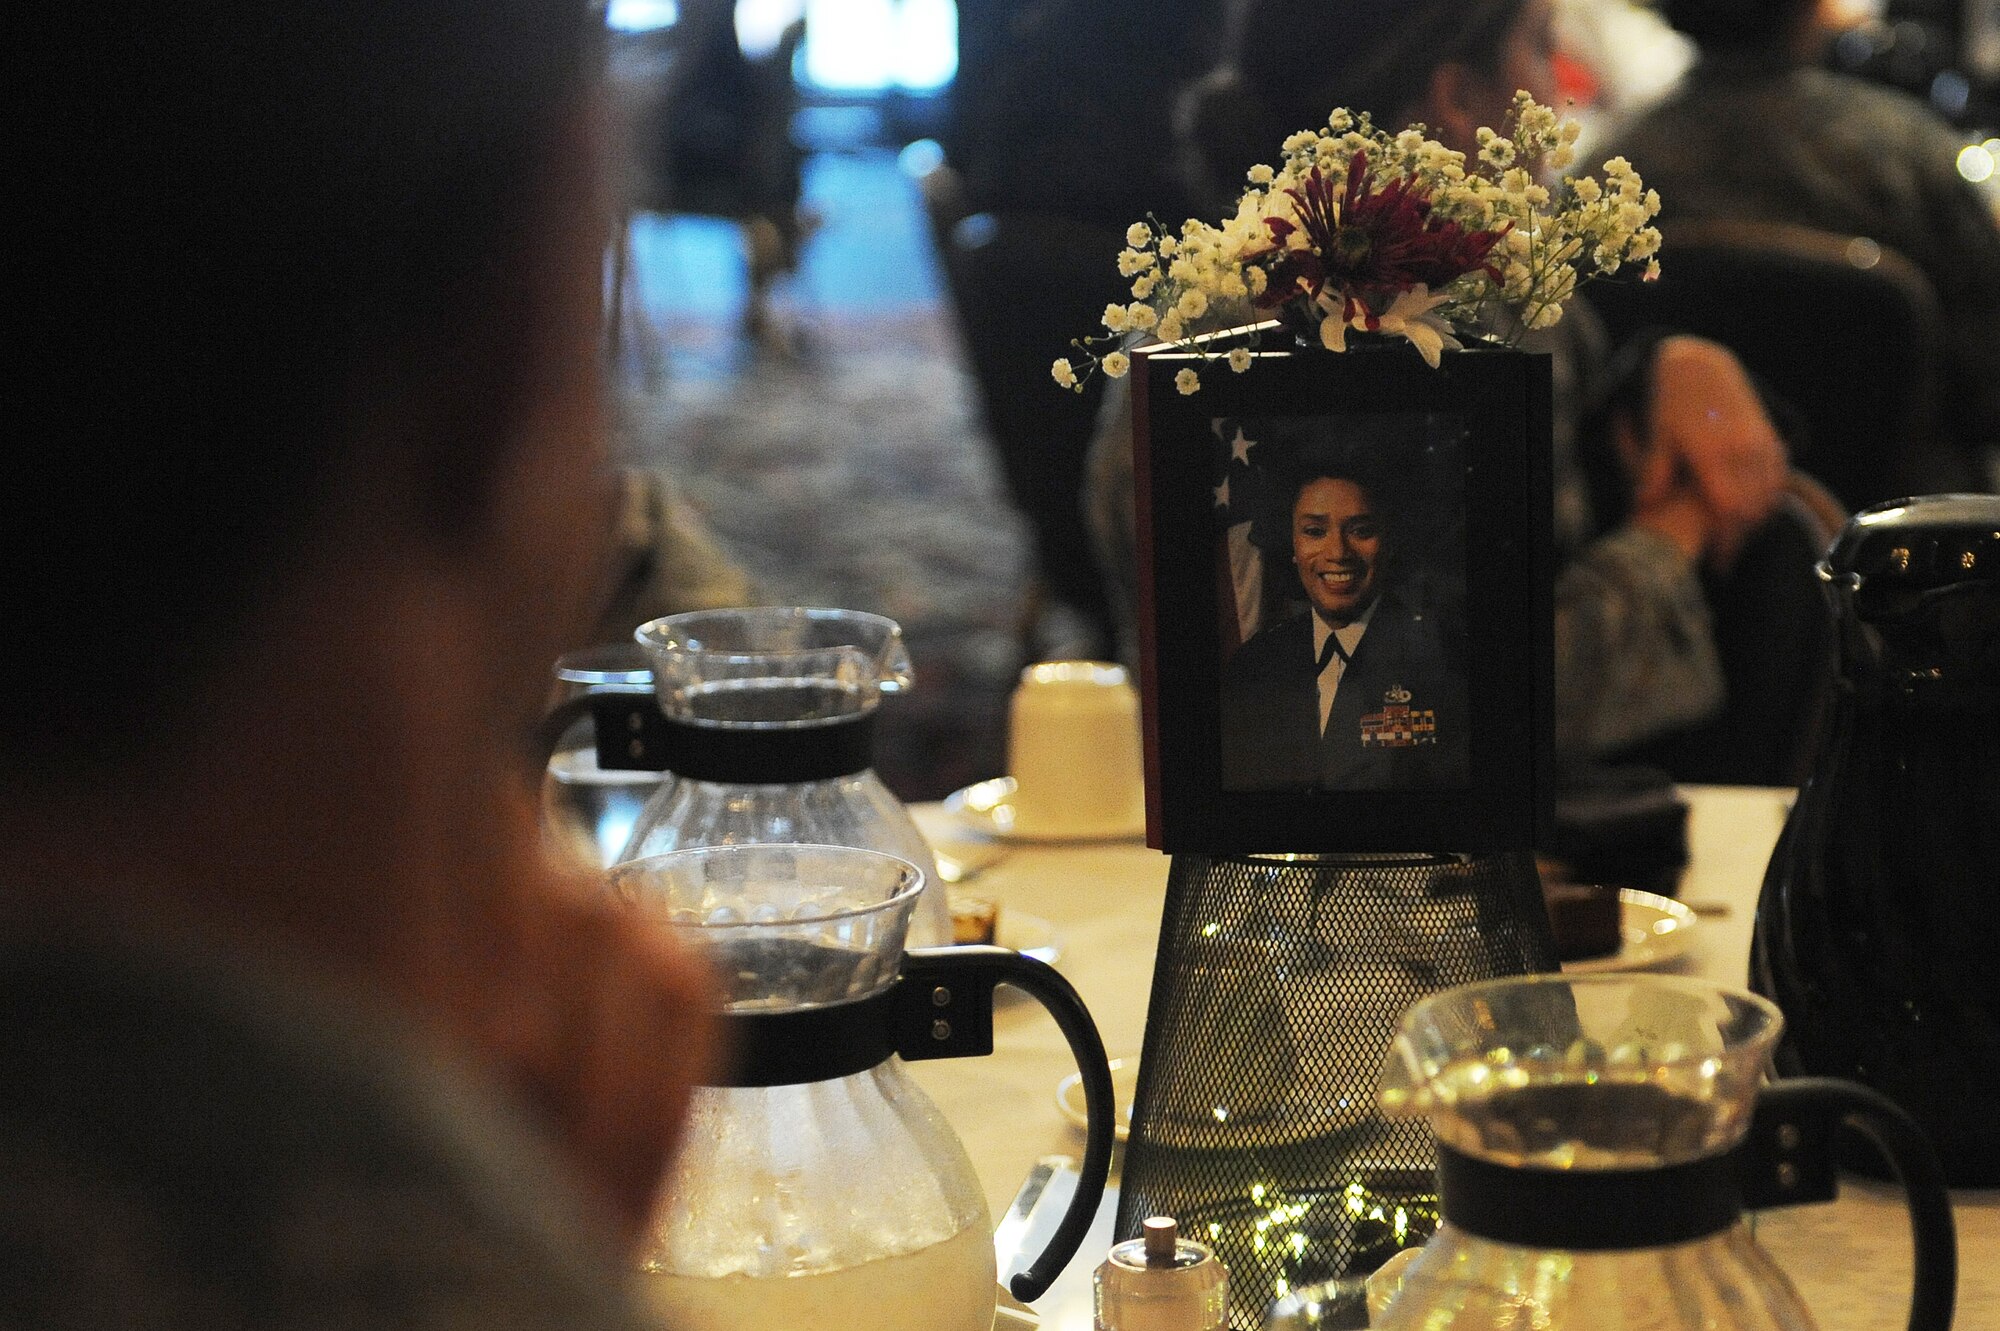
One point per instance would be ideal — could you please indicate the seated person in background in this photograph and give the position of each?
(302, 1029)
(725, 143)
(1059, 104)
(1758, 132)
(1304, 701)
(1635, 656)
(667, 560)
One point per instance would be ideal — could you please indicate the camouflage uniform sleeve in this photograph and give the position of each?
(1634, 650)
(669, 561)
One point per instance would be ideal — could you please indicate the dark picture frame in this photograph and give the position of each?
(1457, 755)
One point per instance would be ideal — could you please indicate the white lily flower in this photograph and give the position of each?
(1410, 315)
(1332, 325)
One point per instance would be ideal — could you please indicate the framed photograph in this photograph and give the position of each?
(1347, 607)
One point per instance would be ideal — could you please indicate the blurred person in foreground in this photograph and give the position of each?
(300, 1028)
(1758, 130)
(1701, 467)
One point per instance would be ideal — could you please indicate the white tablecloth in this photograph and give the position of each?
(1850, 1259)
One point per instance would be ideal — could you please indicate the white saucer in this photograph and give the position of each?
(987, 807)
(1030, 935)
(1656, 930)
(1124, 1085)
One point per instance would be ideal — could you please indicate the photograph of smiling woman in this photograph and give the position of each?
(1354, 678)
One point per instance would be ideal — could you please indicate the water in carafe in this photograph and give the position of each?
(818, 1205)
(817, 1188)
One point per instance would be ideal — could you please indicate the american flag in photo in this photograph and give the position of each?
(1242, 493)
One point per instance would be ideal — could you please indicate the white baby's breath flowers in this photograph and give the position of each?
(1520, 234)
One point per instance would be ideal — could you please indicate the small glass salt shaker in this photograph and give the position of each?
(1161, 1282)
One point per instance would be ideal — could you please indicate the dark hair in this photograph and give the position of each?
(1737, 25)
(1332, 461)
(252, 227)
(1288, 63)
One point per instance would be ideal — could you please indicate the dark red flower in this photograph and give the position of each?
(1374, 243)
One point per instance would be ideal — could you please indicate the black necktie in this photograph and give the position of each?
(1328, 652)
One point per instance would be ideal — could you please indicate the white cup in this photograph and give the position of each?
(1073, 751)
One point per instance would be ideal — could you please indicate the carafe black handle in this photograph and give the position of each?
(944, 1009)
(1789, 1157)
(625, 723)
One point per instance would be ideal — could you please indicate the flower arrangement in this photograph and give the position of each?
(1362, 230)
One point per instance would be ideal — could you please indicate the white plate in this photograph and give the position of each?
(1030, 935)
(1656, 930)
(1124, 1085)
(986, 807)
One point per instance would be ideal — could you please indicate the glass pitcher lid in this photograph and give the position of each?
(774, 666)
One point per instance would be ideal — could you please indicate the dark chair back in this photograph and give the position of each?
(1021, 285)
(1846, 331)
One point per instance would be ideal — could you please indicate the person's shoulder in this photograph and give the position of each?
(1273, 643)
(1276, 657)
(1401, 607)
(183, 1134)
(1417, 632)
(1837, 97)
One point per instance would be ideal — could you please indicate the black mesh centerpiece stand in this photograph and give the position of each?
(1279, 983)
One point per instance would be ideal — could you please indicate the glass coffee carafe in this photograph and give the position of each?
(818, 1189)
(763, 720)
(1599, 1138)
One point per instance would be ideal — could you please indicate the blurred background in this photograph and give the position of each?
(853, 233)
